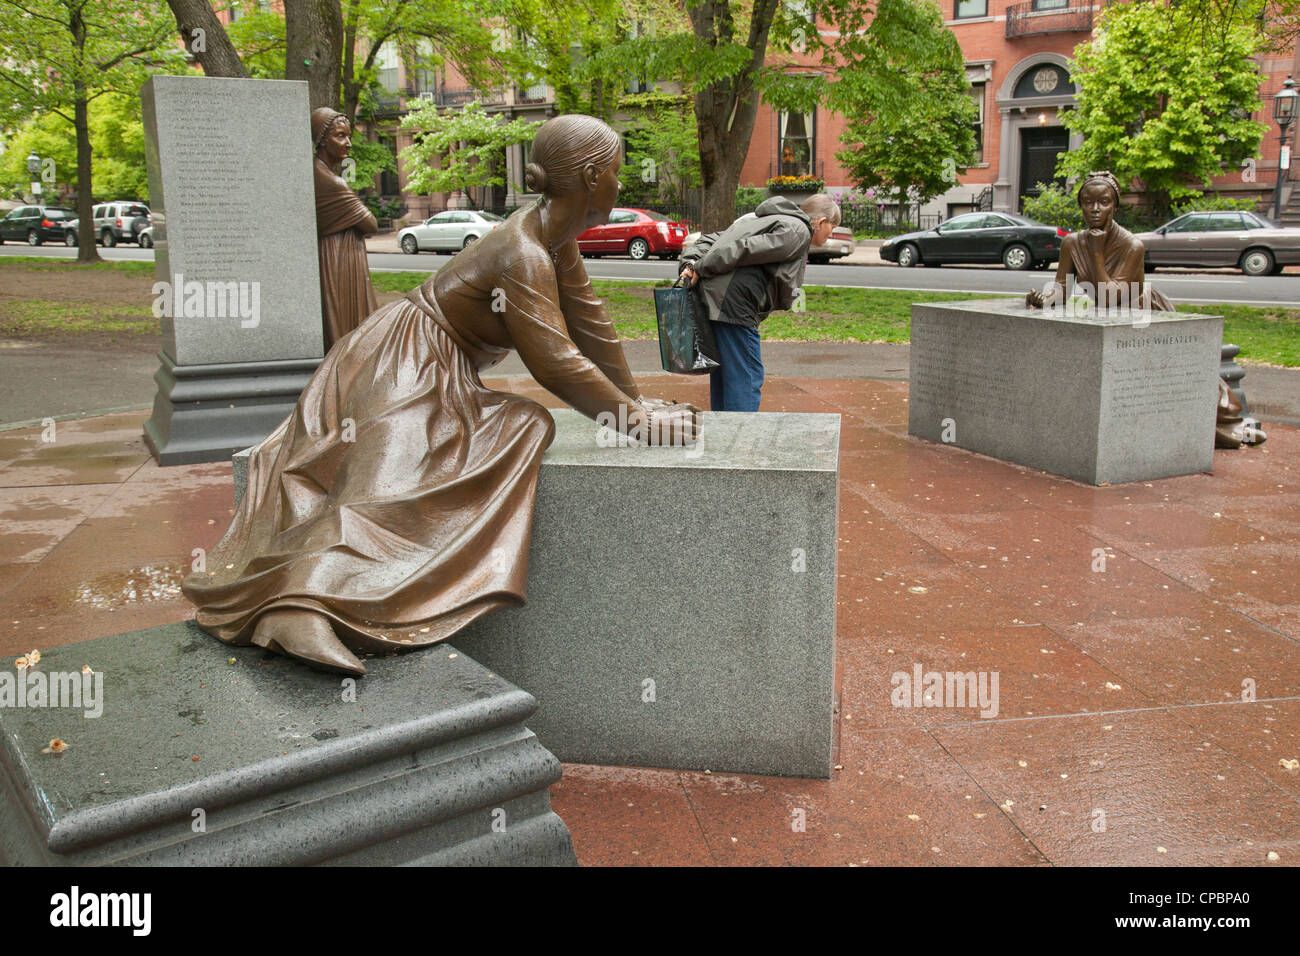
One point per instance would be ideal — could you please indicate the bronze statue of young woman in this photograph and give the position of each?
(1105, 259)
(342, 223)
(1109, 263)
(394, 506)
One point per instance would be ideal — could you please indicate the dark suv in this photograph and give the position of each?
(36, 224)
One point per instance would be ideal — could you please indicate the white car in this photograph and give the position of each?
(448, 231)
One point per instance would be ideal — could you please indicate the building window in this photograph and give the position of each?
(963, 9)
(796, 146)
(1051, 4)
(537, 93)
(638, 84)
(525, 157)
(387, 62)
(977, 94)
(1046, 79)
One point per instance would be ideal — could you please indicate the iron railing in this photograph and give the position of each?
(446, 97)
(1037, 17)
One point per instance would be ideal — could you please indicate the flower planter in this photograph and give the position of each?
(796, 196)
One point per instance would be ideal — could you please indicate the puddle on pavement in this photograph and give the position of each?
(110, 592)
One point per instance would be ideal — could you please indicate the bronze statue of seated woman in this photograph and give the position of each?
(394, 506)
(1109, 263)
(1105, 259)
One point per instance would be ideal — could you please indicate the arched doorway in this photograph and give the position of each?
(1031, 99)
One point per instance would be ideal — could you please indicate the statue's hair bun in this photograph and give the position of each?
(535, 178)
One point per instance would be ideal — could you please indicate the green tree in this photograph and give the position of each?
(259, 42)
(1055, 206)
(911, 121)
(1276, 21)
(120, 170)
(335, 44)
(117, 151)
(584, 50)
(663, 155)
(729, 55)
(1160, 106)
(57, 56)
(50, 137)
(467, 143)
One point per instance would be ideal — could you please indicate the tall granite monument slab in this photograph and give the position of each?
(1100, 397)
(238, 283)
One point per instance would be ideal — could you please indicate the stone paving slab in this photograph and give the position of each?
(1193, 611)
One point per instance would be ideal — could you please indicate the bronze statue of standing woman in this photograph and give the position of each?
(342, 223)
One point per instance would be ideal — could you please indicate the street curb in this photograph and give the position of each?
(71, 416)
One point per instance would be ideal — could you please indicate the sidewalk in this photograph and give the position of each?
(1122, 735)
(47, 381)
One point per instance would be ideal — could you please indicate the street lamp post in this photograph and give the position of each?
(1284, 111)
(34, 168)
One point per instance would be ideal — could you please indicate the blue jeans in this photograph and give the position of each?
(735, 385)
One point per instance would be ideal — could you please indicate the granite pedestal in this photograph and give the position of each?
(681, 601)
(1102, 398)
(239, 297)
(223, 756)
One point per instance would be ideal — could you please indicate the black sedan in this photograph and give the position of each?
(35, 224)
(1016, 242)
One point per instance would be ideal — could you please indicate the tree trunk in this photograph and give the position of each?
(205, 38)
(87, 251)
(351, 88)
(725, 111)
(313, 31)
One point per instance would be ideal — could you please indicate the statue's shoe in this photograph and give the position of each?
(307, 636)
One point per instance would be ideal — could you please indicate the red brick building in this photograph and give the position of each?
(1017, 58)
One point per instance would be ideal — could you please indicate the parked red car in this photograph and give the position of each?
(638, 233)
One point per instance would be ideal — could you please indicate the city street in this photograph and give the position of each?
(1227, 286)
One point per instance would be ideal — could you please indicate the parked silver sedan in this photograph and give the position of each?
(1222, 240)
(448, 231)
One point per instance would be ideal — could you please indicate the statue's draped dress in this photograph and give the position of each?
(397, 498)
(346, 294)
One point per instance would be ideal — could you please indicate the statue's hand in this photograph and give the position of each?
(672, 424)
(656, 403)
(1049, 294)
(1093, 241)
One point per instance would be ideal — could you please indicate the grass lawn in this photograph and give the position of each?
(131, 267)
(1268, 335)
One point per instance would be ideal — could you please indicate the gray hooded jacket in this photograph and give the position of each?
(776, 236)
